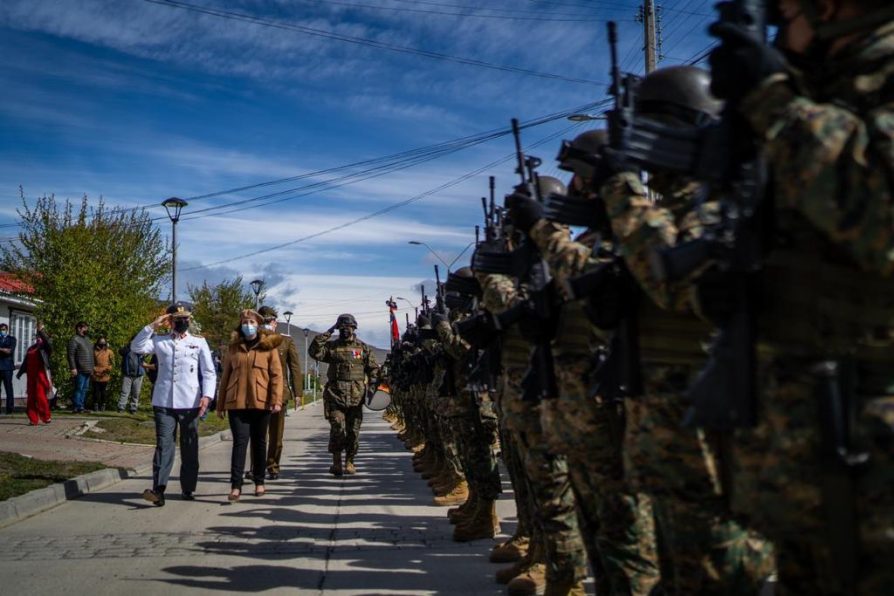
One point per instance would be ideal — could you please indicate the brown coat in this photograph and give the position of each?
(251, 378)
(103, 362)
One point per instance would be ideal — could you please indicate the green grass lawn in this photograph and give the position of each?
(20, 474)
(140, 427)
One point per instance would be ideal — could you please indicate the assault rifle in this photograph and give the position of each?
(722, 156)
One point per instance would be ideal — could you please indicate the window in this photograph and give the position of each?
(22, 326)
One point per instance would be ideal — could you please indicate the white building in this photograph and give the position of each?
(16, 308)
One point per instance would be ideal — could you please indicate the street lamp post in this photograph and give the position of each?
(437, 256)
(405, 300)
(256, 286)
(306, 378)
(174, 206)
(288, 315)
(585, 117)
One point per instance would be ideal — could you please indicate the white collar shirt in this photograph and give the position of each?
(185, 368)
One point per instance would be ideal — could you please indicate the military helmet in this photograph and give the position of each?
(548, 185)
(682, 92)
(346, 320)
(268, 312)
(581, 155)
(463, 281)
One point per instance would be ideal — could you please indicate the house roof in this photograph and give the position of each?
(10, 284)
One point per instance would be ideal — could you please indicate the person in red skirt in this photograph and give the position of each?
(37, 366)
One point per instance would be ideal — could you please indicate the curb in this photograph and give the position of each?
(24, 506)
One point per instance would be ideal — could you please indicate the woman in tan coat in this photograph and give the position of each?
(251, 386)
(103, 362)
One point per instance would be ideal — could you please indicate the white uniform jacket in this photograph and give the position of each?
(185, 368)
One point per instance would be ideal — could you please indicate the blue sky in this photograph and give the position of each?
(136, 101)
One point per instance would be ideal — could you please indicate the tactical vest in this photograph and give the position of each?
(668, 337)
(814, 300)
(348, 362)
(515, 349)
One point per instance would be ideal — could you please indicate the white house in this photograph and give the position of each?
(16, 308)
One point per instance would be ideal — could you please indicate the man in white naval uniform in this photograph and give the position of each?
(181, 393)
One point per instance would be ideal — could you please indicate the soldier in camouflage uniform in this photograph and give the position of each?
(826, 325)
(476, 431)
(555, 514)
(352, 369)
(705, 550)
(616, 521)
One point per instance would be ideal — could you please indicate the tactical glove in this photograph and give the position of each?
(741, 62)
(523, 210)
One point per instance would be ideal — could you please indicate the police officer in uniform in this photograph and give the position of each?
(352, 368)
(180, 395)
(291, 366)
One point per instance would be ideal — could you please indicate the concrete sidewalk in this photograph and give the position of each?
(373, 533)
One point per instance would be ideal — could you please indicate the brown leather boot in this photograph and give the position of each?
(335, 469)
(507, 574)
(564, 588)
(511, 550)
(455, 496)
(483, 525)
(349, 465)
(466, 510)
(533, 581)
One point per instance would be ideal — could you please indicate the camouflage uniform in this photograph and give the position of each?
(827, 295)
(352, 366)
(555, 513)
(705, 551)
(617, 522)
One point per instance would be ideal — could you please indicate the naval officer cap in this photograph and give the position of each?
(180, 309)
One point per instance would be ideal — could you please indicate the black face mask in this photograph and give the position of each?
(181, 325)
(346, 333)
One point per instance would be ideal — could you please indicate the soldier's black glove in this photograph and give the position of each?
(438, 318)
(610, 162)
(333, 328)
(741, 62)
(523, 210)
(478, 330)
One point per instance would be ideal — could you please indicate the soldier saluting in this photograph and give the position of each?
(352, 369)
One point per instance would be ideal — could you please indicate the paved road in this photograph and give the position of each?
(373, 533)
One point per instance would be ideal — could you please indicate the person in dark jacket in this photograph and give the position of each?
(80, 363)
(132, 373)
(7, 364)
(40, 384)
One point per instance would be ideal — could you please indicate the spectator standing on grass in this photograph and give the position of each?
(181, 393)
(40, 384)
(251, 388)
(80, 363)
(132, 373)
(7, 364)
(103, 361)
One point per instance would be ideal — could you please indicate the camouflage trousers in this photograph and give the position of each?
(780, 479)
(344, 427)
(704, 550)
(617, 522)
(547, 472)
(518, 478)
(476, 444)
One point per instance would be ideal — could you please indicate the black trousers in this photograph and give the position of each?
(248, 425)
(99, 395)
(6, 377)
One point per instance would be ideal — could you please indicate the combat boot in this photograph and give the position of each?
(433, 468)
(531, 582)
(447, 484)
(483, 525)
(335, 469)
(455, 496)
(466, 510)
(507, 574)
(511, 550)
(349, 465)
(564, 588)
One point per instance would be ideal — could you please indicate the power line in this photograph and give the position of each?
(510, 17)
(391, 207)
(246, 18)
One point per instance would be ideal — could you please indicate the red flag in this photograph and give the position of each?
(395, 330)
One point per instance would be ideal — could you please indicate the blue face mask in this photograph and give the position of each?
(2, 332)
(249, 330)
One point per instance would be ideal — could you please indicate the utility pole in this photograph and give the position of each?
(649, 18)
